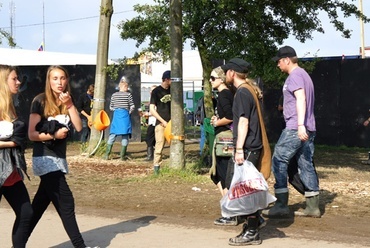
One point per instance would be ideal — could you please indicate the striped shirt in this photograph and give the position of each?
(122, 100)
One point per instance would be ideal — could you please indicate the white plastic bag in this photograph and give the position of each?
(248, 192)
(6, 130)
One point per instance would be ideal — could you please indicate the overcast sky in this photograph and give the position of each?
(71, 26)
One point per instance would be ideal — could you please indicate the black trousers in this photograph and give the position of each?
(54, 188)
(222, 164)
(18, 198)
(150, 136)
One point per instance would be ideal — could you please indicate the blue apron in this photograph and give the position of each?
(121, 123)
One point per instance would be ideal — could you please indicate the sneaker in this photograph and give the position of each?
(92, 247)
(226, 221)
(247, 238)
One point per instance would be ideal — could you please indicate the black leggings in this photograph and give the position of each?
(18, 198)
(54, 188)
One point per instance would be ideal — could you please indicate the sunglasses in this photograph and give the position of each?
(213, 78)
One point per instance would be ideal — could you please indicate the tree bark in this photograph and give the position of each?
(177, 103)
(106, 11)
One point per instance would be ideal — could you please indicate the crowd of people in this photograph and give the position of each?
(237, 114)
(238, 111)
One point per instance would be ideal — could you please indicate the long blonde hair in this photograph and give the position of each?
(51, 107)
(252, 83)
(7, 109)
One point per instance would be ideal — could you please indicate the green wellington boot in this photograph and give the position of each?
(123, 153)
(280, 209)
(312, 208)
(107, 152)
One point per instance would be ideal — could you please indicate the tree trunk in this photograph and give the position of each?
(106, 11)
(177, 103)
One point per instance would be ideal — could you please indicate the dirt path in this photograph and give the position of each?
(119, 204)
(141, 232)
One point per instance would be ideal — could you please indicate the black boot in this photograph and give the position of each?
(249, 235)
(261, 224)
(150, 153)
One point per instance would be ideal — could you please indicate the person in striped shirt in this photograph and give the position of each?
(122, 105)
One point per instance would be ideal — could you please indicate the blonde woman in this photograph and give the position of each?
(122, 105)
(12, 162)
(52, 115)
(221, 121)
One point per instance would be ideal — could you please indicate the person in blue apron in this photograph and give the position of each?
(122, 105)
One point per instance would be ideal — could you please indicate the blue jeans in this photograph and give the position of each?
(287, 147)
(112, 137)
(202, 139)
(85, 134)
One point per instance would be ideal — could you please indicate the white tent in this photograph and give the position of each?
(21, 57)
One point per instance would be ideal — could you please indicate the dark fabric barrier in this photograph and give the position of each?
(342, 92)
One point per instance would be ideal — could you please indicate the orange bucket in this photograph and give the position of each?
(101, 121)
(167, 132)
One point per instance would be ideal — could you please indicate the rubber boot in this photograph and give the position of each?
(107, 152)
(156, 170)
(312, 208)
(280, 209)
(150, 153)
(249, 235)
(123, 153)
(367, 161)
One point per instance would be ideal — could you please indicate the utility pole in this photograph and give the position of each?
(362, 34)
(177, 136)
(12, 19)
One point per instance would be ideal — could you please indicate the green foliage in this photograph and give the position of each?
(100, 150)
(249, 29)
(6, 35)
(113, 70)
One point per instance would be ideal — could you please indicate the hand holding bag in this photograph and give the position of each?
(248, 192)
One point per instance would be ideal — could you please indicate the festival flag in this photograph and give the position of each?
(41, 48)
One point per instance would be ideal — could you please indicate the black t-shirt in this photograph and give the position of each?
(245, 106)
(161, 98)
(84, 103)
(224, 108)
(59, 147)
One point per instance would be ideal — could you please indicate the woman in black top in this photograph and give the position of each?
(12, 162)
(222, 121)
(52, 115)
